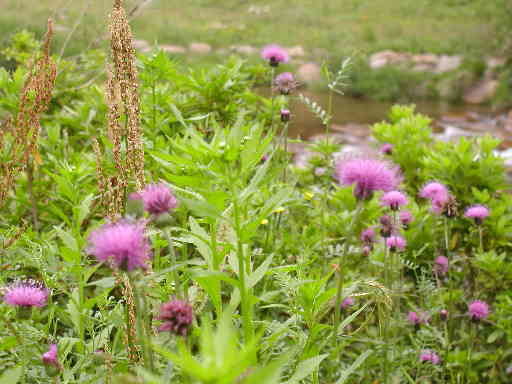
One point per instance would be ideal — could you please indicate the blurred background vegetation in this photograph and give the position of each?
(326, 30)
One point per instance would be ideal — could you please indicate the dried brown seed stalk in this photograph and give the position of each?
(19, 136)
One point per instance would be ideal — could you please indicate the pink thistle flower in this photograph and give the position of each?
(478, 213)
(396, 243)
(430, 357)
(406, 218)
(438, 195)
(368, 175)
(441, 265)
(367, 249)
(434, 190)
(274, 54)
(368, 236)
(123, 244)
(443, 314)
(285, 115)
(157, 198)
(177, 317)
(320, 171)
(386, 223)
(386, 149)
(478, 310)
(284, 83)
(50, 357)
(347, 302)
(28, 293)
(417, 319)
(394, 200)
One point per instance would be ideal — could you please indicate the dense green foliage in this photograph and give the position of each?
(242, 206)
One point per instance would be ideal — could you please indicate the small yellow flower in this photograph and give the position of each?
(308, 195)
(279, 210)
(264, 222)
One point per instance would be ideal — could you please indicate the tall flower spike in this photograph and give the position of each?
(368, 175)
(274, 54)
(123, 244)
(157, 199)
(27, 293)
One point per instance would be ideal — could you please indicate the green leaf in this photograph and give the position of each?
(12, 376)
(360, 360)
(306, 368)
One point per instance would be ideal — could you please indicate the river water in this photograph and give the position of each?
(349, 110)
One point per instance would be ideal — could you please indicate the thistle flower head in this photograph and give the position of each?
(50, 357)
(285, 115)
(123, 244)
(478, 310)
(396, 243)
(394, 200)
(406, 217)
(443, 314)
(177, 317)
(27, 293)
(386, 223)
(417, 319)
(274, 54)
(368, 175)
(428, 356)
(386, 149)
(157, 199)
(368, 236)
(284, 83)
(347, 302)
(441, 265)
(477, 213)
(438, 194)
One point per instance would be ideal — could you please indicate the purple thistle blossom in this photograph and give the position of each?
(284, 83)
(443, 314)
(441, 265)
(368, 236)
(387, 149)
(368, 175)
(394, 200)
(157, 198)
(417, 319)
(478, 310)
(285, 115)
(430, 357)
(27, 293)
(406, 218)
(438, 194)
(347, 302)
(123, 244)
(274, 54)
(177, 317)
(50, 358)
(367, 249)
(478, 213)
(386, 223)
(396, 243)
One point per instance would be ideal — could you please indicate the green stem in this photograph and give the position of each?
(481, 237)
(245, 300)
(272, 97)
(285, 134)
(142, 328)
(341, 274)
(174, 273)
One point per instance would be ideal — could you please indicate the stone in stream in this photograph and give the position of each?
(481, 92)
(309, 72)
(172, 48)
(199, 48)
